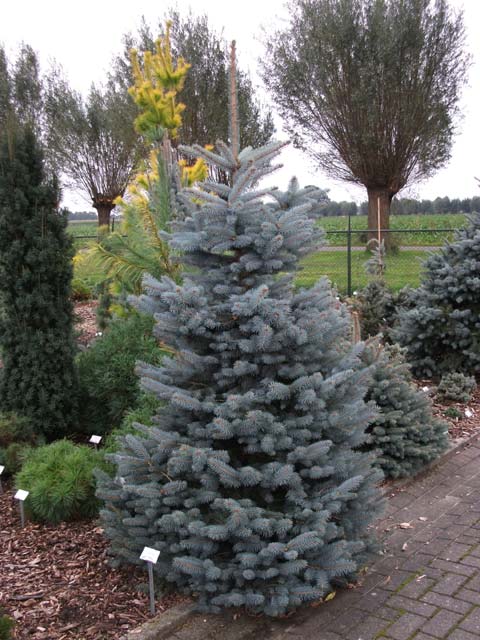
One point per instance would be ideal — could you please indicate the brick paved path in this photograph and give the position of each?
(425, 587)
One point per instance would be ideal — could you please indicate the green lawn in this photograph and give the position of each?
(83, 228)
(402, 269)
(410, 239)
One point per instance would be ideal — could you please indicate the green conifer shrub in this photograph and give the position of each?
(59, 477)
(375, 305)
(108, 384)
(405, 432)
(441, 329)
(36, 329)
(457, 387)
(15, 428)
(13, 456)
(7, 625)
(143, 413)
(16, 439)
(251, 483)
(104, 312)
(452, 412)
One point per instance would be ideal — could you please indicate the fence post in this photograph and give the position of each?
(349, 257)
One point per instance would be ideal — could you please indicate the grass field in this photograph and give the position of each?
(402, 269)
(417, 238)
(82, 228)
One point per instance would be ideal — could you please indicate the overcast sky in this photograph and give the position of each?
(84, 36)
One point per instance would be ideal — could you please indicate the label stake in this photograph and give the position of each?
(95, 440)
(21, 496)
(151, 588)
(150, 556)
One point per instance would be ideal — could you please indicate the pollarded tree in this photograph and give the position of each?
(440, 328)
(370, 89)
(251, 484)
(38, 378)
(92, 141)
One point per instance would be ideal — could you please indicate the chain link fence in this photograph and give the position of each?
(344, 257)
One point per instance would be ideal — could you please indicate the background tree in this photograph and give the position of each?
(205, 92)
(36, 328)
(370, 88)
(21, 89)
(151, 201)
(92, 141)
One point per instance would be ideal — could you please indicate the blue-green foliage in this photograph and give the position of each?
(441, 327)
(405, 431)
(251, 483)
(456, 386)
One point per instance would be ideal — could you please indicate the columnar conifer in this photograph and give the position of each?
(37, 347)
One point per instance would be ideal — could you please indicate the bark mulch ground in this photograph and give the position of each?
(468, 419)
(86, 321)
(55, 581)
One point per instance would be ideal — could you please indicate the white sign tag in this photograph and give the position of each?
(1, 469)
(21, 495)
(468, 413)
(150, 555)
(95, 439)
(425, 389)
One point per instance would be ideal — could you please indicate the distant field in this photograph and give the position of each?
(406, 239)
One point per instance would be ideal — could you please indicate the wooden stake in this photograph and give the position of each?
(378, 222)
(356, 332)
(234, 130)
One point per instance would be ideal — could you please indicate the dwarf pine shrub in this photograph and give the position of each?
(59, 477)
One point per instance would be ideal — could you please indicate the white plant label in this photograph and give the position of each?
(468, 413)
(95, 439)
(1, 469)
(21, 495)
(150, 555)
(425, 389)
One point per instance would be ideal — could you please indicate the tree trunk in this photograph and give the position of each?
(379, 201)
(104, 209)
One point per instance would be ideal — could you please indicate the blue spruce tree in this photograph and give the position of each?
(252, 483)
(405, 432)
(440, 328)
